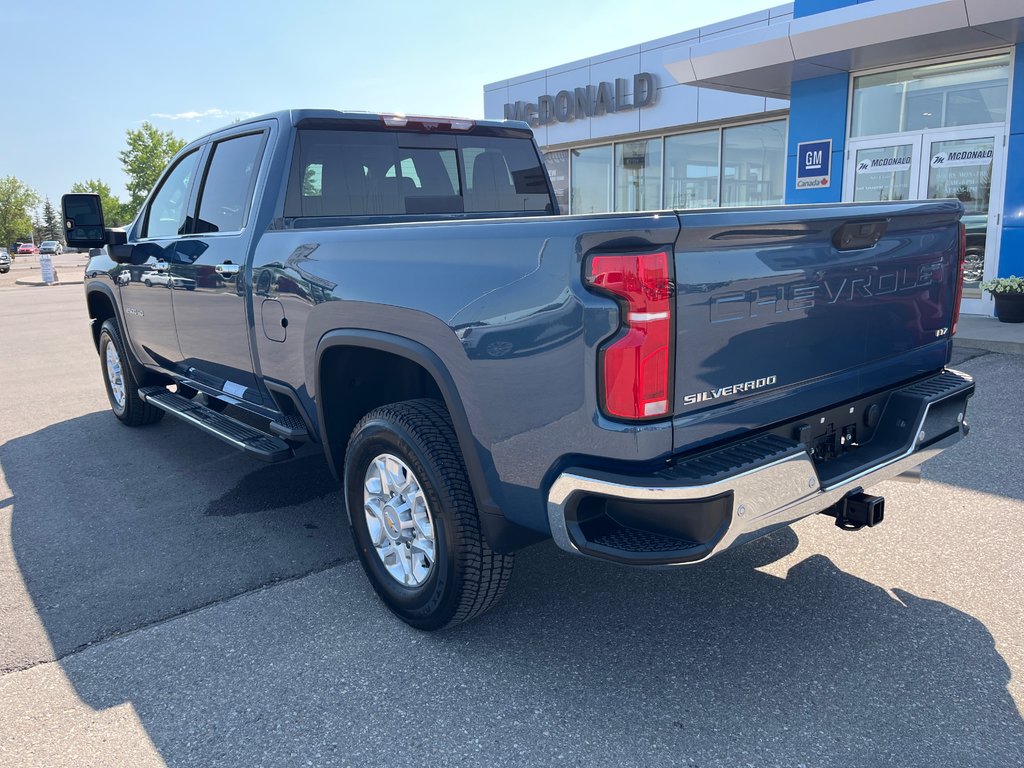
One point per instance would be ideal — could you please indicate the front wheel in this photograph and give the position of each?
(414, 521)
(121, 384)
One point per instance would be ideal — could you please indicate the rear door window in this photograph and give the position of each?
(372, 173)
(502, 175)
(228, 184)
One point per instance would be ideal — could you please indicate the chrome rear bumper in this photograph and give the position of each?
(928, 417)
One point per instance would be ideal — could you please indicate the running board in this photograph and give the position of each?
(233, 432)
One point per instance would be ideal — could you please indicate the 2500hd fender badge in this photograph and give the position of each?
(729, 391)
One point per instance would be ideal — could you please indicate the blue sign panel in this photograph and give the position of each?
(814, 164)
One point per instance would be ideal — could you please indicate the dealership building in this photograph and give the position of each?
(811, 102)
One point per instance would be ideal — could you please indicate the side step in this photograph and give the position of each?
(290, 427)
(233, 432)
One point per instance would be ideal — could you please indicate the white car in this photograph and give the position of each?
(156, 277)
(163, 277)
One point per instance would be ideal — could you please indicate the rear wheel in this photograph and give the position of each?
(414, 520)
(121, 384)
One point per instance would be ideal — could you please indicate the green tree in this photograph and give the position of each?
(17, 200)
(37, 228)
(115, 213)
(148, 153)
(53, 226)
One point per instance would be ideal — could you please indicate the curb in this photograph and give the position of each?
(1002, 347)
(25, 281)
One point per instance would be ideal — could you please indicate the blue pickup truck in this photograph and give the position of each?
(483, 373)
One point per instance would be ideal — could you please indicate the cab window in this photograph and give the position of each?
(227, 187)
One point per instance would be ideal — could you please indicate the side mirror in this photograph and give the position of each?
(83, 226)
(83, 220)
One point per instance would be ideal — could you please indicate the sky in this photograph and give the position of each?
(82, 73)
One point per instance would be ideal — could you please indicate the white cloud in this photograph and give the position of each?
(222, 114)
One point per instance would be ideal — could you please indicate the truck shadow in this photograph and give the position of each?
(115, 528)
(722, 664)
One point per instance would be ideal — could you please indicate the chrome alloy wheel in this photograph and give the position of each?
(115, 377)
(398, 520)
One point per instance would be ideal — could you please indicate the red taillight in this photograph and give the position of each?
(636, 368)
(959, 294)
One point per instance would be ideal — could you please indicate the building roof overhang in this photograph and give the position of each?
(766, 61)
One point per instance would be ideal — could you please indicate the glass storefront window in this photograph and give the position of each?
(691, 170)
(754, 164)
(629, 175)
(883, 173)
(557, 163)
(962, 168)
(932, 96)
(591, 180)
(638, 175)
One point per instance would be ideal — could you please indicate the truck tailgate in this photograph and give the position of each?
(784, 311)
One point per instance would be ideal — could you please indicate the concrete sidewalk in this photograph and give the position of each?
(29, 281)
(70, 268)
(979, 332)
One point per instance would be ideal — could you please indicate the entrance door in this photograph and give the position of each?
(883, 169)
(968, 165)
(965, 163)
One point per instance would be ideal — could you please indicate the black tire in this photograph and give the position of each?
(135, 412)
(148, 282)
(467, 577)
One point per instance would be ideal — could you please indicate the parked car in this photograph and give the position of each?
(5, 262)
(163, 277)
(51, 246)
(155, 277)
(646, 388)
(27, 249)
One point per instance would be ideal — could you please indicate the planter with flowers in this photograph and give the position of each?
(1008, 293)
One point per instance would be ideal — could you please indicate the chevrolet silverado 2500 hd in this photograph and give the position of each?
(645, 388)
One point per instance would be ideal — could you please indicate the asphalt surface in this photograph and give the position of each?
(69, 267)
(164, 599)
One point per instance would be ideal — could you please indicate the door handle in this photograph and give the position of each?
(228, 270)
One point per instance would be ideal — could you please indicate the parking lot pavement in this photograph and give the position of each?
(163, 599)
(70, 268)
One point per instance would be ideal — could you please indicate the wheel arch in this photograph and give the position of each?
(345, 344)
(339, 408)
(102, 307)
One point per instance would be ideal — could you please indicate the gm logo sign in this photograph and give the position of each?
(814, 164)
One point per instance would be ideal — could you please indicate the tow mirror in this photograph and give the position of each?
(84, 226)
(83, 220)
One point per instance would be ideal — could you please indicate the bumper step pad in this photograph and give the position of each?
(232, 431)
(711, 501)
